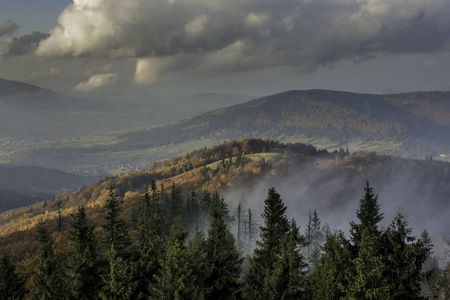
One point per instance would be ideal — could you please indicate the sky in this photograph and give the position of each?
(251, 47)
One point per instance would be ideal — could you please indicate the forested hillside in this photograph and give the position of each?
(125, 224)
(414, 123)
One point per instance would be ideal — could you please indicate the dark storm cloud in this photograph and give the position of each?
(8, 27)
(26, 44)
(224, 36)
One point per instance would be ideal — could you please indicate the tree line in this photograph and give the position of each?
(154, 256)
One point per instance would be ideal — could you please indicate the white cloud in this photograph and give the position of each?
(98, 81)
(209, 36)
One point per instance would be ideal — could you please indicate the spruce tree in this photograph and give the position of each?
(366, 280)
(150, 233)
(223, 263)
(47, 281)
(268, 248)
(288, 280)
(115, 229)
(83, 275)
(219, 206)
(329, 276)
(12, 286)
(175, 205)
(404, 259)
(119, 283)
(175, 279)
(369, 216)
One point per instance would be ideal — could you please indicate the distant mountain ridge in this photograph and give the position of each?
(30, 179)
(9, 87)
(24, 185)
(411, 119)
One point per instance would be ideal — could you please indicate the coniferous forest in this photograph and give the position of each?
(157, 257)
(174, 244)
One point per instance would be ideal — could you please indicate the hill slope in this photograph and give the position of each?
(309, 178)
(408, 121)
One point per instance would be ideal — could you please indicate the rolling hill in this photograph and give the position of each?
(408, 121)
(413, 125)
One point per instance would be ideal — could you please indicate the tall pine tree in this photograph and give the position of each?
(118, 283)
(404, 259)
(47, 283)
(329, 276)
(83, 275)
(366, 280)
(268, 248)
(175, 204)
(115, 229)
(175, 279)
(369, 216)
(150, 233)
(289, 280)
(223, 263)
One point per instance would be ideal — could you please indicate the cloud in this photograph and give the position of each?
(25, 44)
(226, 36)
(8, 27)
(97, 81)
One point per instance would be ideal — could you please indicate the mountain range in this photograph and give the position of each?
(105, 138)
(411, 121)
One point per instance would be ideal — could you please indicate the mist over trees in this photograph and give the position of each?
(119, 260)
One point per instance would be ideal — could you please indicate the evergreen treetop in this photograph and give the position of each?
(115, 229)
(368, 215)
